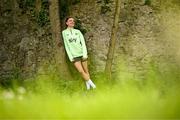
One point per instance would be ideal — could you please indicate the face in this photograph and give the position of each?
(70, 22)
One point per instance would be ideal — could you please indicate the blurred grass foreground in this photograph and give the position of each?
(48, 97)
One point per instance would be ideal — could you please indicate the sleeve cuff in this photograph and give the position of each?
(85, 56)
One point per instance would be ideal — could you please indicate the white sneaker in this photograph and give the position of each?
(87, 85)
(91, 84)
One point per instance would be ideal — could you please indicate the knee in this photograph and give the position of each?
(81, 71)
(87, 72)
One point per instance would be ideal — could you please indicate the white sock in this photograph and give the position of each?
(87, 85)
(91, 83)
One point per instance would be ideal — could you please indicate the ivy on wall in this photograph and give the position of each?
(42, 18)
(28, 7)
(105, 6)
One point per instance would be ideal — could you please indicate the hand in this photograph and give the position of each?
(73, 60)
(84, 58)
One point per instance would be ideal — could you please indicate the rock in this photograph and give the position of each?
(3, 56)
(145, 32)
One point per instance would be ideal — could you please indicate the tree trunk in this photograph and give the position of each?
(66, 3)
(112, 41)
(60, 59)
(38, 7)
(15, 10)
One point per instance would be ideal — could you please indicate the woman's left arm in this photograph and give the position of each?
(83, 45)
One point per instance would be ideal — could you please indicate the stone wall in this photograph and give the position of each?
(147, 31)
(137, 27)
(24, 44)
(139, 38)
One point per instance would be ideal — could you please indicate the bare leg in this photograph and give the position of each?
(80, 69)
(85, 67)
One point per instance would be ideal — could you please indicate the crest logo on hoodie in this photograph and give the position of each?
(72, 40)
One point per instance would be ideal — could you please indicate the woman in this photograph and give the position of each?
(76, 50)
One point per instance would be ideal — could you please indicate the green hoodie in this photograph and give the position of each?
(74, 43)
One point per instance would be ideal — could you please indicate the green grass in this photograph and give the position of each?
(111, 103)
(47, 97)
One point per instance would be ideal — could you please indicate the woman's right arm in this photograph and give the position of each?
(67, 47)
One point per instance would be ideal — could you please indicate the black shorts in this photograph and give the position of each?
(80, 58)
